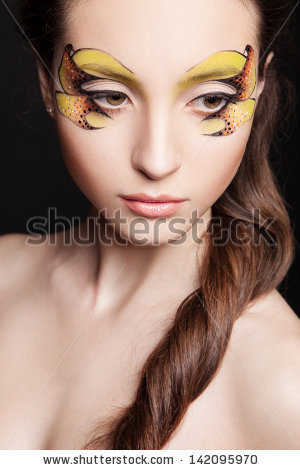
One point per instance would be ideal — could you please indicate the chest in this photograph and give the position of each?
(55, 390)
(59, 413)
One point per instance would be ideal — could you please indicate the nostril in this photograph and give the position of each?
(153, 166)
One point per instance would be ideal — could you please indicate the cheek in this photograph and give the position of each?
(95, 159)
(217, 164)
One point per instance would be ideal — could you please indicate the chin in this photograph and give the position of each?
(158, 235)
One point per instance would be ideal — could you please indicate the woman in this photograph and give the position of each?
(166, 329)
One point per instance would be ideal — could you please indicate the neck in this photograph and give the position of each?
(126, 274)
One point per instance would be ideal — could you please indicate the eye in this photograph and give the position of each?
(210, 103)
(110, 99)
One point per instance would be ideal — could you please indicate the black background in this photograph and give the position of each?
(32, 173)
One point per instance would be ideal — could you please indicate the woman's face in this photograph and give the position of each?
(155, 132)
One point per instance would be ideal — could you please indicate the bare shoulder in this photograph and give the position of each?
(26, 334)
(275, 323)
(270, 319)
(25, 260)
(267, 342)
(19, 253)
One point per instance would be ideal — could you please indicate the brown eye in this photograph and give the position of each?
(212, 101)
(208, 103)
(115, 99)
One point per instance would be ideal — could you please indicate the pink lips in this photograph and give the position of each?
(149, 206)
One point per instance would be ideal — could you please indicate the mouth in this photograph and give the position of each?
(149, 206)
(147, 198)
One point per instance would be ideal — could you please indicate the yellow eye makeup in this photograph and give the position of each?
(228, 120)
(231, 68)
(78, 68)
(228, 67)
(102, 65)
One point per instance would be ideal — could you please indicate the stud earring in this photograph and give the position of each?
(50, 109)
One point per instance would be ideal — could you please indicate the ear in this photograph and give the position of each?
(46, 85)
(261, 84)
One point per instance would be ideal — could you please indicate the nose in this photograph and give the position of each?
(155, 154)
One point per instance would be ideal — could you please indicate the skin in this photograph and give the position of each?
(85, 318)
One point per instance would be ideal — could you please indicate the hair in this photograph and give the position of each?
(233, 273)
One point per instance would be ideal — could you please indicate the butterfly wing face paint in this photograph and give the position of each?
(74, 103)
(241, 108)
(230, 67)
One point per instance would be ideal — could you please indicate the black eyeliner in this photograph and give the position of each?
(100, 93)
(229, 97)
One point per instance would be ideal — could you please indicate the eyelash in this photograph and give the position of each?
(226, 97)
(116, 110)
(105, 93)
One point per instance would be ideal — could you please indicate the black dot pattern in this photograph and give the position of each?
(232, 114)
(75, 104)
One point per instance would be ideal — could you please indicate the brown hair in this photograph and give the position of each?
(233, 273)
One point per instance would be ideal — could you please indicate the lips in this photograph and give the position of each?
(149, 206)
(147, 198)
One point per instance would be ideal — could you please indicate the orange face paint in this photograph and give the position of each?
(230, 67)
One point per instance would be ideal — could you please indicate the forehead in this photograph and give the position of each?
(158, 40)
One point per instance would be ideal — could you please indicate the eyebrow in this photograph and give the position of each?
(218, 66)
(103, 72)
(204, 76)
(103, 65)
